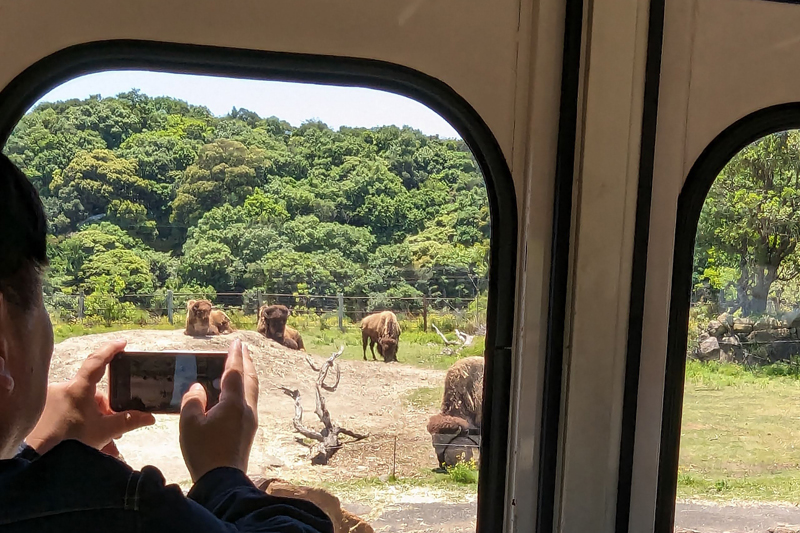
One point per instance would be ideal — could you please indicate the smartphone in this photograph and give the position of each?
(156, 381)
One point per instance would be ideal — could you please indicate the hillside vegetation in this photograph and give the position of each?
(148, 194)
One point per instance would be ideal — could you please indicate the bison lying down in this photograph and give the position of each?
(384, 330)
(456, 429)
(272, 324)
(202, 320)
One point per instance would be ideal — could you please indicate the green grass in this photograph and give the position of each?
(740, 435)
(441, 485)
(65, 330)
(425, 397)
(465, 473)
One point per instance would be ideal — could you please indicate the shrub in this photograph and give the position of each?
(464, 472)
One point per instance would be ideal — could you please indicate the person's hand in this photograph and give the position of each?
(223, 435)
(77, 410)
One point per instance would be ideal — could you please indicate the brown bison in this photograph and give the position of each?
(456, 428)
(384, 330)
(272, 324)
(343, 520)
(202, 319)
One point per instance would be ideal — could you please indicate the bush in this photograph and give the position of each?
(464, 472)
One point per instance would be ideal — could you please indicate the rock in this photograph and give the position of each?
(792, 317)
(765, 323)
(761, 336)
(731, 349)
(742, 326)
(708, 349)
(716, 328)
(726, 319)
(685, 530)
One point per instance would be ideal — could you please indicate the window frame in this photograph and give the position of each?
(34, 82)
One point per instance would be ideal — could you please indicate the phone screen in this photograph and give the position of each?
(156, 381)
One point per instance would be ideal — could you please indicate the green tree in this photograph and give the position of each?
(751, 222)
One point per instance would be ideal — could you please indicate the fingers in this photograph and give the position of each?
(232, 387)
(92, 370)
(193, 404)
(117, 424)
(250, 380)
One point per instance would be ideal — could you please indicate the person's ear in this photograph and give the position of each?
(6, 379)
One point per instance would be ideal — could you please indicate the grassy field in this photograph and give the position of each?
(740, 437)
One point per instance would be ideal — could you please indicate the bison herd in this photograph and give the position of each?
(455, 430)
(381, 329)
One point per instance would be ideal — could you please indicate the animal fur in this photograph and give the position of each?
(272, 324)
(343, 520)
(382, 329)
(463, 391)
(219, 320)
(440, 423)
(198, 313)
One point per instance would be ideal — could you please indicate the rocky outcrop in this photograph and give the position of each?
(765, 340)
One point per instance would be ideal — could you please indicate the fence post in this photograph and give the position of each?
(425, 313)
(170, 306)
(341, 312)
(260, 299)
(81, 297)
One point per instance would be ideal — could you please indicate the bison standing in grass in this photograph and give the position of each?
(456, 428)
(272, 324)
(384, 330)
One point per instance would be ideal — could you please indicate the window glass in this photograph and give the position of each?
(339, 204)
(740, 439)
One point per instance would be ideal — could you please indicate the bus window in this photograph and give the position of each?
(739, 433)
(342, 233)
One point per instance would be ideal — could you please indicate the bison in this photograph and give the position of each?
(272, 324)
(202, 319)
(384, 330)
(456, 429)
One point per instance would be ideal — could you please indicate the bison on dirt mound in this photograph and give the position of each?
(272, 324)
(202, 319)
(384, 330)
(456, 429)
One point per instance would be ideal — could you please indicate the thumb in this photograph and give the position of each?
(193, 405)
(117, 424)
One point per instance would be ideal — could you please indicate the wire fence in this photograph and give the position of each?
(467, 314)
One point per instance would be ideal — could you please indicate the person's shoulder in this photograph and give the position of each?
(73, 458)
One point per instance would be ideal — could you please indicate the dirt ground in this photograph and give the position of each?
(371, 398)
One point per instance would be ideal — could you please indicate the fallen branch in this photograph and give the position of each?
(442, 335)
(323, 370)
(466, 340)
(328, 437)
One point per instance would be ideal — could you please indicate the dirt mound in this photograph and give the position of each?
(370, 399)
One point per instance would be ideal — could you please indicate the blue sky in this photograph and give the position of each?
(293, 102)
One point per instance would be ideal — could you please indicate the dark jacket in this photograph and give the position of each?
(76, 488)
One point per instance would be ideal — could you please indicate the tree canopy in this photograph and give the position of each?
(749, 227)
(144, 194)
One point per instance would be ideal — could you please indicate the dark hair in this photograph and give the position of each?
(23, 237)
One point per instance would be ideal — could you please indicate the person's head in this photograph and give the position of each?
(26, 335)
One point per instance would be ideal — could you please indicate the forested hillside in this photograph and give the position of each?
(147, 194)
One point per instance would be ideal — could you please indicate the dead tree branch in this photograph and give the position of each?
(328, 437)
(447, 342)
(323, 370)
